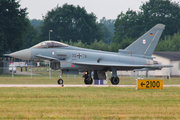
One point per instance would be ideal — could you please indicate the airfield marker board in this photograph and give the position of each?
(149, 84)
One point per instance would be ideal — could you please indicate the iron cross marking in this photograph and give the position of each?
(79, 55)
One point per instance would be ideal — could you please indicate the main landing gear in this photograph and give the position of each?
(114, 80)
(87, 78)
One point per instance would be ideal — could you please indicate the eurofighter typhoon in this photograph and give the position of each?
(72, 60)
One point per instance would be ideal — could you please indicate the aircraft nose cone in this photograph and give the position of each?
(22, 54)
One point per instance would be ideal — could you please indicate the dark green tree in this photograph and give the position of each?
(96, 45)
(108, 23)
(31, 37)
(101, 45)
(161, 11)
(127, 26)
(133, 24)
(13, 23)
(170, 43)
(36, 23)
(71, 23)
(108, 35)
(124, 43)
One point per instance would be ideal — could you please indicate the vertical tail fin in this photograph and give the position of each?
(146, 44)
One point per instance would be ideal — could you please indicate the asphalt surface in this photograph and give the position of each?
(52, 85)
(25, 73)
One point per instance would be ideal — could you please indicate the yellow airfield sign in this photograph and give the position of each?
(149, 84)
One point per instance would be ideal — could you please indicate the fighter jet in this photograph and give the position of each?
(72, 60)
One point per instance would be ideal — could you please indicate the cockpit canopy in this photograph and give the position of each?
(50, 44)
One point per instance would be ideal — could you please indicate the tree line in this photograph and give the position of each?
(73, 25)
(132, 25)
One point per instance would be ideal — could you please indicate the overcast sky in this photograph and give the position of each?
(101, 8)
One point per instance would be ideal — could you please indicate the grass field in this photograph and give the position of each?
(44, 79)
(89, 103)
(86, 103)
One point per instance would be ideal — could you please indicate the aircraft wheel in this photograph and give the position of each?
(60, 81)
(88, 80)
(114, 80)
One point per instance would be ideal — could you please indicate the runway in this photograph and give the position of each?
(68, 85)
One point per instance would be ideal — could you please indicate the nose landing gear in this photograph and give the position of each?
(60, 81)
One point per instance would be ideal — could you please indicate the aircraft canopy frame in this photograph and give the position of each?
(50, 44)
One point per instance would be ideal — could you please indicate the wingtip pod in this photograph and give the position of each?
(167, 66)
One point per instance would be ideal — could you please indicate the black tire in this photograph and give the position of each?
(88, 80)
(60, 81)
(114, 80)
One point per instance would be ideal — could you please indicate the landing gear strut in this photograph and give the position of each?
(87, 78)
(60, 81)
(114, 78)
